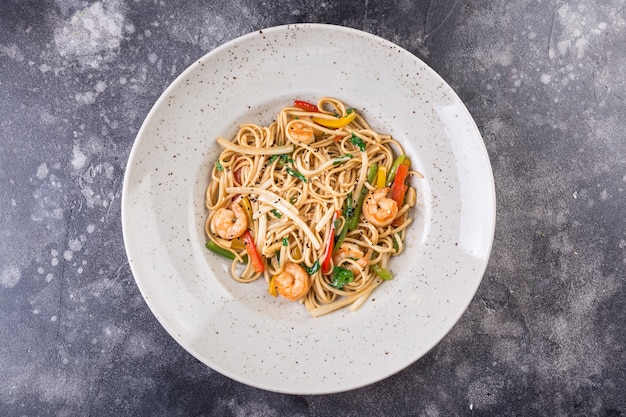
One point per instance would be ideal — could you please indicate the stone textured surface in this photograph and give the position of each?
(545, 83)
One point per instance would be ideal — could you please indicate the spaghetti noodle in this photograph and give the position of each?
(316, 203)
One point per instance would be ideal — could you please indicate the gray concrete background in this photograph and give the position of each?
(545, 83)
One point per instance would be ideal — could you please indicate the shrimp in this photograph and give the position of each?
(293, 283)
(230, 222)
(378, 209)
(300, 132)
(347, 252)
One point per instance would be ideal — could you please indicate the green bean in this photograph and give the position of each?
(394, 167)
(396, 246)
(382, 272)
(217, 249)
(371, 175)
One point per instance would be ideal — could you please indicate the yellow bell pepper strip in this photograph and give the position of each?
(296, 253)
(330, 244)
(398, 191)
(257, 262)
(336, 122)
(247, 208)
(272, 287)
(218, 250)
(382, 272)
(237, 244)
(354, 221)
(381, 177)
(306, 106)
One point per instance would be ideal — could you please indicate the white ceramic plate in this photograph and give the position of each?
(238, 329)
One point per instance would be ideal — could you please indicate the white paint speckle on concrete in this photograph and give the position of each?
(10, 277)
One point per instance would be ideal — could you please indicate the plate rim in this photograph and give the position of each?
(129, 169)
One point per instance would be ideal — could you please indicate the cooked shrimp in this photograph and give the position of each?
(300, 132)
(378, 209)
(230, 222)
(346, 252)
(293, 283)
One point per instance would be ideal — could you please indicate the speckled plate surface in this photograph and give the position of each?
(241, 331)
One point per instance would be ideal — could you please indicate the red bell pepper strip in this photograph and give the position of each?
(257, 263)
(306, 106)
(237, 177)
(398, 190)
(391, 174)
(329, 246)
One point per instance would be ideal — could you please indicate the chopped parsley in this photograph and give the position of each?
(295, 174)
(285, 241)
(284, 158)
(313, 269)
(343, 158)
(341, 277)
(358, 142)
(348, 213)
(277, 214)
(219, 166)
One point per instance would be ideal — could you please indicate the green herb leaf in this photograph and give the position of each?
(276, 213)
(295, 174)
(284, 158)
(341, 277)
(348, 212)
(219, 166)
(358, 142)
(349, 110)
(313, 269)
(285, 241)
(343, 158)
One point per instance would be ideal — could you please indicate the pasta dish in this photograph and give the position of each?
(316, 204)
